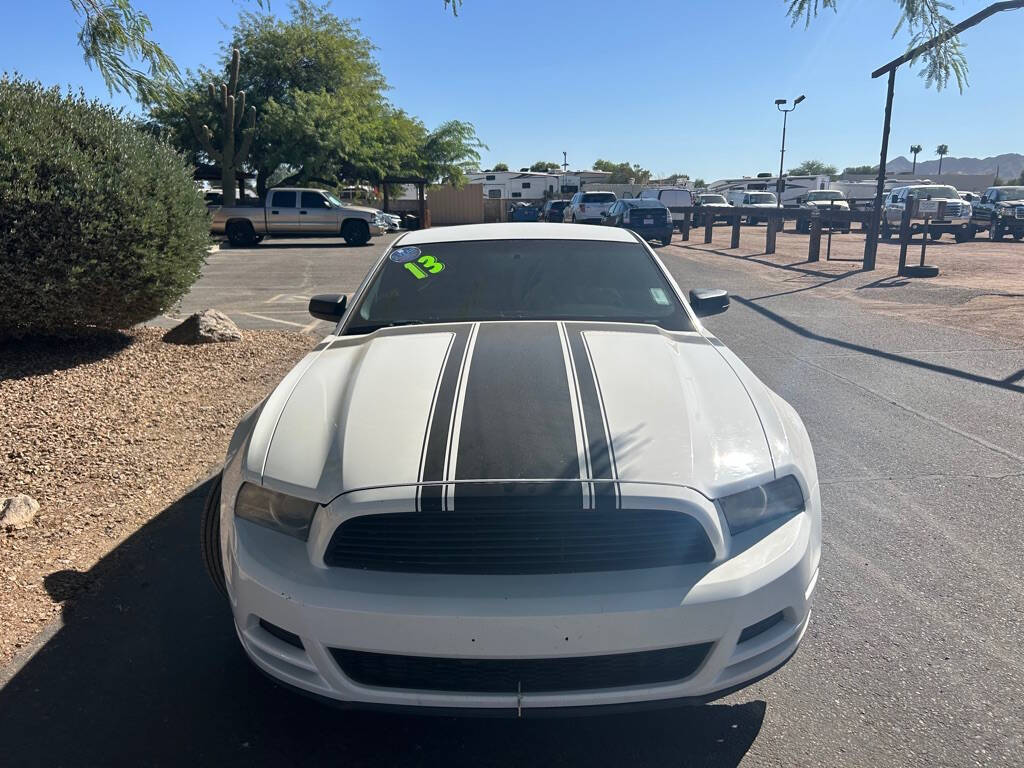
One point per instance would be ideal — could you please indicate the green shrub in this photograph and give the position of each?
(101, 225)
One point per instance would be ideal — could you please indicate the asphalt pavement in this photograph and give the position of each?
(912, 656)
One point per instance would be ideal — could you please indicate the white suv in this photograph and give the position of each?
(588, 207)
(674, 198)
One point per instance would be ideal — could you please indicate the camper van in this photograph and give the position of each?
(796, 188)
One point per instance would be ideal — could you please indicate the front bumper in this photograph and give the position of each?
(377, 229)
(274, 578)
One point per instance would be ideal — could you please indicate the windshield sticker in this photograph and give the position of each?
(406, 254)
(425, 264)
(658, 294)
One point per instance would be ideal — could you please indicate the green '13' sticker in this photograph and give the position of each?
(423, 266)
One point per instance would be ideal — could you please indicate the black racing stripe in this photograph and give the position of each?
(601, 459)
(436, 442)
(517, 419)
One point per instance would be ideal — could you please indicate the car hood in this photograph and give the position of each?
(826, 203)
(514, 401)
(361, 209)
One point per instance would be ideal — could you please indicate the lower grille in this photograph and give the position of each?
(523, 541)
(575, 673)
(1019, 212)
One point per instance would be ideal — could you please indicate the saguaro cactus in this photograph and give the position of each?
(232, 152)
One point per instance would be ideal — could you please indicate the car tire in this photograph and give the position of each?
(935, 235)
(845, 230)
(240, 234)
(886, 230)
(209, 538)
(1017, 236)
(355, 232)
(995, 232)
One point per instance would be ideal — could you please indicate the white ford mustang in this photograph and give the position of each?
(519, 474)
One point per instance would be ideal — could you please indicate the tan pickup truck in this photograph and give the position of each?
(295, 212)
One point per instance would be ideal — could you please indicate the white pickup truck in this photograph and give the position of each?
(295, 212)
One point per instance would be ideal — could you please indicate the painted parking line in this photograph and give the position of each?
(272, 319)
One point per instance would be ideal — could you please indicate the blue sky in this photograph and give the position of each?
(675, 86)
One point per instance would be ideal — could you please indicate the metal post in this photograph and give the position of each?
(924, 239)
(686, 226)
(386, 197)
(422, 194)
(831, 226)
(735, 242)
(769, 235)
(709, 222)
(814, 243)
(871, 245)
(782, 156)
(904, 236)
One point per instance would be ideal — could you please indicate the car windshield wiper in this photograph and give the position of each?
(371, 327)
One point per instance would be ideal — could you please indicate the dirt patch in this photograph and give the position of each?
(980, 286)
(106, 433)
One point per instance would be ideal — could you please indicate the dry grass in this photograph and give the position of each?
(105, 434)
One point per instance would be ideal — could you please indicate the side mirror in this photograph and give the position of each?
(709, 302)
(328, 306)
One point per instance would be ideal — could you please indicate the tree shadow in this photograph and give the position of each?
(40, 355)
(147, 670)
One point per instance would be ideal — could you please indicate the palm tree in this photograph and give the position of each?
(942, 150)
(914, 149)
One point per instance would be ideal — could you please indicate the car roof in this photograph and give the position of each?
(517, 231)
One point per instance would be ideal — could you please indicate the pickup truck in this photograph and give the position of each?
(956, 212)
(294, 212)
(1001, 212)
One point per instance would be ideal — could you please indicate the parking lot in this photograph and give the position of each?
(912, 654)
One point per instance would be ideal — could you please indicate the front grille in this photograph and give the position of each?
(954, 209)
(519, 541)
(574, 673)
(1019, 212)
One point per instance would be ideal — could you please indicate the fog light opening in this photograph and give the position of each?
(760, 627)
(282, 634)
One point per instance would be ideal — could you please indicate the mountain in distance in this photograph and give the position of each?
(1009, 165)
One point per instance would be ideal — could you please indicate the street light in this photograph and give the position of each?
(782, 155)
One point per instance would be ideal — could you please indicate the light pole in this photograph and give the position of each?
(782, 155)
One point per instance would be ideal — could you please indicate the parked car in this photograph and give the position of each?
(747, 199)
(523, 212)
(294, 212)
(1000, 211)
(651, 219)
(824, 199)
(675, 198)
(712, 204)
(588, 207)
(394, 221)
(553, 210)
(576, 496)
(956, 220)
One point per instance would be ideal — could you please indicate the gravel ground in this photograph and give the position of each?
(104, 434)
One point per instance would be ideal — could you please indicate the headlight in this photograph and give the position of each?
(966, 210)
(285, 514)
(749, 508)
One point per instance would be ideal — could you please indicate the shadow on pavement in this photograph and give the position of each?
(147, 670)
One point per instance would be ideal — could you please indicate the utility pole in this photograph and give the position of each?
(780, 185)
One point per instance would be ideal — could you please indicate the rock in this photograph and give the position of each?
(17, 511)
(206, 327)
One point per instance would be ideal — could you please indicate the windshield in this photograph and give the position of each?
(519, 279)
(937, 192)
(762, 197)
(825, 194)
(1011, 193)
(599, 197)
(710, 199)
